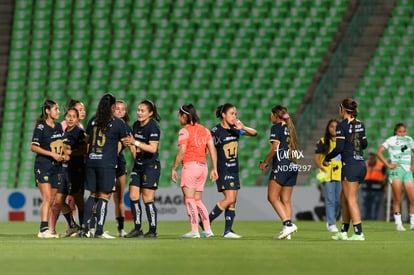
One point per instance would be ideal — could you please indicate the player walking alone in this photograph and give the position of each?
(283, 152)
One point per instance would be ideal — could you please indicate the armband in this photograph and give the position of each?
(241, 132)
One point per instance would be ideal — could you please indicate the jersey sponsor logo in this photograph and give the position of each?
(139, 136)
(95, 156)
(56, 136)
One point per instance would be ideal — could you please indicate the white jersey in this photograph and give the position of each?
(399, 149)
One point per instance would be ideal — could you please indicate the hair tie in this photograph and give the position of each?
(184, 111)
(285, 116)
(150, 102)
(346, 109)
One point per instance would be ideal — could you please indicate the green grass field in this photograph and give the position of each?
(311, 251)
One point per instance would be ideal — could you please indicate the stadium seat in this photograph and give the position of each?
(189, 52)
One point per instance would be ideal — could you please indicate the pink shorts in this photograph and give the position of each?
(194, 175)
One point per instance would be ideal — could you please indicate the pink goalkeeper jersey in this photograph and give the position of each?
(195, 137)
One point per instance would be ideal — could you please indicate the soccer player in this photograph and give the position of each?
(47, 143)
(77, 199)
(74, 146)
(104, 132)
(121, 172)
(226, 136)
(331, 186)
(194, 141)
(147, 168)
(350, 143)
(283, 152)
(400, 147)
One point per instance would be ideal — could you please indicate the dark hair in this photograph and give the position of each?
(397, 126)
(104, 113)
(327, 137)
(126, 116)
(282, 113)
(152, 108)
(72, 109)
(350, 106)
(223, 109)
(71, 103)
(190, 111)
(47, 105)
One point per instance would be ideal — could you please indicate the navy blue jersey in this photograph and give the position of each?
(74, 139)
(280, 132)
(150, 132)
(350, 142)
(50, 139)
(226, 142)
(103, 145)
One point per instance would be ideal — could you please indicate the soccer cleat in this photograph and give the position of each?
(356, 237)
(91, 233)
(231, 235)
(47, 235)
(150, 235)
(71, 232)
(82, 234)
(121, 233)
(400, 227)
(332, 228)
(340, 236)
(206, 234)
(104, 235)
(287, 230)
(288, 237)
(135, 234)
(191, 235)
(412, 227)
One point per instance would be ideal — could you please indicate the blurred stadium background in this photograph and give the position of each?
(305, 54)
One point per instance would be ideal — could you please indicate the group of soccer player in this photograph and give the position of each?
(70, 160)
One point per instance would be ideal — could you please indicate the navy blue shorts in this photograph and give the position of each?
(54, 176)
(121, 168)
(229, 181)
(284, 178)
(100, 179)
(74, 180)
(354, 172)
(146, 176)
